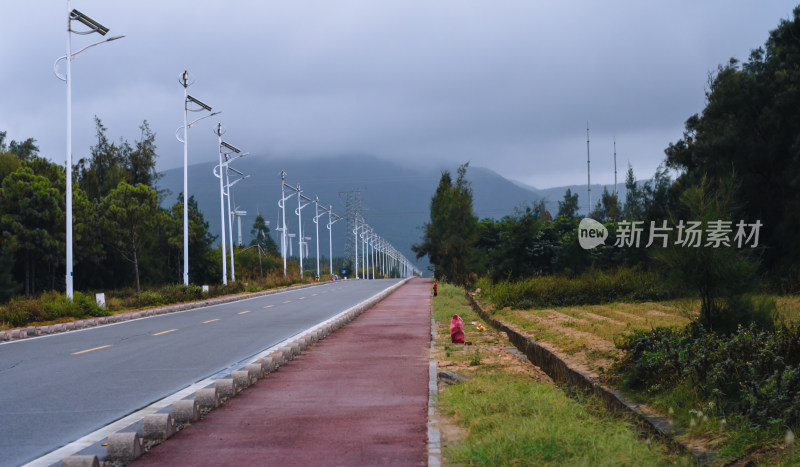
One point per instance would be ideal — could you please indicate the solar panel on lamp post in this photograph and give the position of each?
(94, 27)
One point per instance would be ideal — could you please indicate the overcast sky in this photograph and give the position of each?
(508, 85)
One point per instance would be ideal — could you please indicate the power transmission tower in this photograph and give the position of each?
(352, 214)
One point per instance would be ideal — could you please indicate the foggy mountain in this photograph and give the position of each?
(395, 199)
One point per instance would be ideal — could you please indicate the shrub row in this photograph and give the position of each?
(752, 372)
(52, 306)
(592, 287)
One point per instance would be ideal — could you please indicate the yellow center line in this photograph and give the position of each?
(302, 298)
(90, 350)
(211, 321)
(314, 294)
(287, 301)
(246, 311)
(269, 306)
(164, 332)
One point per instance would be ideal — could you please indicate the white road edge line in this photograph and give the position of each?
(100, 326)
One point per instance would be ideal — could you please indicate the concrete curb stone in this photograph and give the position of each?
(185, 411)
(227, 388)
(158, 427)
(207, 399)
(124, 447)
(80, 461)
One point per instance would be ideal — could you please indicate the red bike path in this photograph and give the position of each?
(357, 398)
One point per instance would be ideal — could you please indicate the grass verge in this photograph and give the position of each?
(511, 414)
(589, 337)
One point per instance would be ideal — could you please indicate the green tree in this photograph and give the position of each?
(751, 124)
(129, 215)
(8, 286)
(205, 266)
(261, 236)
(719, 274)
(141, 161)
(634, 197)
(30, 214)
(569, 206)
(24, 149)
(450, 236)
(104, 171)
(607, 209)
(9, 163)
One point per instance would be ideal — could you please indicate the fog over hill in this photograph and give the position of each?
(395, 199)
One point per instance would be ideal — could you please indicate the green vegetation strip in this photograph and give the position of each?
(563, 373)
(513, 419)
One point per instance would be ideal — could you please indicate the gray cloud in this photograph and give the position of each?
(506, 84)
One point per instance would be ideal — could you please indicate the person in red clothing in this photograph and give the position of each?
(435, 292)
(457, 330)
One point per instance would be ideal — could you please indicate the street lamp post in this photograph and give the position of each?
(364, 254)
(300, 207)
(355, 242)
(330, 235)
(94, 26)
(282, 205)
(219, 133)
(226, 150)
(228, 185)
(316, 226)
(187, 101)
(374, 253)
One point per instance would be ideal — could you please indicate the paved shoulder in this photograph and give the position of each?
(358, 397)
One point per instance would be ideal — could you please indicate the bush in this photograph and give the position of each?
(753, 372)
(178, 293)
(20, 312)
(592, 287)
(50, 306)
(148, 298)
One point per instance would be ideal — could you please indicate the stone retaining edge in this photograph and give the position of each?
(551, 363)
(128, 445)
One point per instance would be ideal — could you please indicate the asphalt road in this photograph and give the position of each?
(58, 388)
